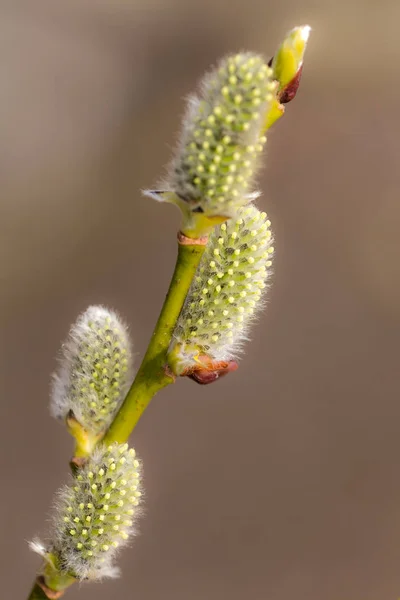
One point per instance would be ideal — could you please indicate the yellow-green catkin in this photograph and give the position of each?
(222, 139)
(96, 513)
(226, 293)
(95, 370)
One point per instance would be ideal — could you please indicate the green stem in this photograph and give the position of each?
(54, 582)
(37, 593)
(152, 375)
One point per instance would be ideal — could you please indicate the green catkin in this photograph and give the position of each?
(226, 292)
(95, 370)
(223, 137)
(96, 513)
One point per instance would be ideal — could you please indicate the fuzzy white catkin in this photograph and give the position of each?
(96, 513)
(226, 292)
(95, 370)
(223, 136)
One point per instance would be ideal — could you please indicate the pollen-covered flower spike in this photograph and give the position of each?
(94, 375)
(223, 137)
(224, 297)
(96, 513)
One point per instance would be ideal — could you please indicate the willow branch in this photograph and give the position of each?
(153, 374)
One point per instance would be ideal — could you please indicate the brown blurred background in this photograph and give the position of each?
(283, 480)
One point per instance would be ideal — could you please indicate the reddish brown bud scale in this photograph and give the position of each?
(48, 593)
(289, 92)
(208, 371)
(183, 240)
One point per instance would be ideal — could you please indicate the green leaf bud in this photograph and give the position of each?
(225, 295)
(95, 514)
(221, 143)
(287, 66)
(288, 62)
(94, 374)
